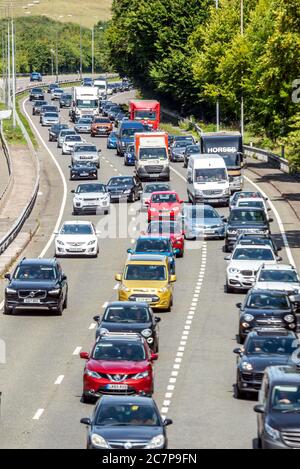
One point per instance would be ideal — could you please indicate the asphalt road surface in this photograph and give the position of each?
(41, 382)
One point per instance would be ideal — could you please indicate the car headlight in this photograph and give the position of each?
(146, 332)
(270, 431)
(233, 270)
(142, 375)
(247, 366)
(103, 331)
(289, 318)
(156, 442)
(231, 232)
(127, 191)
(248, 317)
(93, 374)
(60, 242)
(226, 191)
(99, 441)
(124, 288)
(10, 291)
(54, 292)
(91, 242)
(198, 192)
(163, 290)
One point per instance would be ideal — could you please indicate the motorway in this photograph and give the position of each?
(41, 382)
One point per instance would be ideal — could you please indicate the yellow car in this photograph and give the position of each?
(147, 279)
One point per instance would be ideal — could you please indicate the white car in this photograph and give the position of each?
(91, 198)
(77, 238)
(86, 152)
(253, 202)
(244, 264)
(283, 277)
(69, 143)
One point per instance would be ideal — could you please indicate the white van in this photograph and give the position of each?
(207, 180)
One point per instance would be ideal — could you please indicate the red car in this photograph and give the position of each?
(164, 205)
(119, 363)
(172, 229)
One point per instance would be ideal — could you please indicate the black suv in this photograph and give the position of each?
(268, 309)
(263, 239)
(36, 93)
(245, 220)
(129, 316)
(123, 188)
(262, 348)
(278, 412)
(36, 284)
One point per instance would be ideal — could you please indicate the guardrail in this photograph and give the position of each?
(6, 152)
(15, 229)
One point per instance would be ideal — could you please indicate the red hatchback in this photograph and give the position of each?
(164, 205)
(171, 229)
(119, 363)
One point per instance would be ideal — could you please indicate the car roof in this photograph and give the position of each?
(130, 124)
(271, 333)
(253, 246)
(123, 336)
(135, 399)
(246, 209)
(162, 238)
(284, 374)
(127, 303)
(146, 258)
(77, 222)
(267, 292)
(164, 192)
(251, 199)
(278, 267)
(38, 261)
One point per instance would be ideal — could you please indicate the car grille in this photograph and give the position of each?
(291, 439)
(213, 192)
(118, 392)
(154, 169)
(89, 200)
(248, 273)
(117, 444)
(252, 377)
(76, 244)
(40, 294)
(270, 322)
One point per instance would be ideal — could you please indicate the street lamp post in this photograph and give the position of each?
(93, 50)
(218, 102)
(80, 67)
(242, 97)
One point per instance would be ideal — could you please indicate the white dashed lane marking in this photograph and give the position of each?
(38, 414)
(60, 379)
(77, 350)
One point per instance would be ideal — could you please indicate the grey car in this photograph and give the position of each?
(86, 152)
(50, 118)
(37, 106)
(202, 221)
(57, 93)
(151, 187)
(47, 108)
(83, 126)
(177, 150)
(62, 134)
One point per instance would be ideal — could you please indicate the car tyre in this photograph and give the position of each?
(6, 310)
(229, 289)
(88, 399)
(59, 310)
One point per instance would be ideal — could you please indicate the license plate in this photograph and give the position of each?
(84, 174)
(117, 387)
(32, 300)
(75, 249)
(153, 175)
(210, 231)
(144, 300)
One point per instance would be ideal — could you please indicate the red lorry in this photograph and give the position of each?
(146, 111)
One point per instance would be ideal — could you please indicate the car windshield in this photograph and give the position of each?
(245, 195)
(130, 132)
(151, 115)
(122, 181)
(73, 138)
(164, 198)
(84, 121)
(192, 149)
(63, 133)
(84, 163)
(51, 114)
(58, 90)
(37, 91)
(271, 301)
(251, 203)
(118, 350)
(127, 314)
(131, 414)
(59, 127)
(189, 140)
(210, 175)
(181, 144)
(35, 272)
(253, 254)
(271, 345)
(76, 229)
(66, 96)
(149, 188)
(145, 272)
(85, 188)
(286, 276)
(83, 148)
(87, 103)
(152, 245)
(164, 228)
(113, 135)
(200, 213)
(286, 398)
(39, 103)
(49, 109)
(247, 216)
(101, 121)
(153, 154)
(130, 149)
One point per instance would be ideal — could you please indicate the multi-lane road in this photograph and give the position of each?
(41, 383)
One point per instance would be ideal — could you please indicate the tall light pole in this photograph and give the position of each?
(80, 67)
(93, 49)
(242, 97)
(218, 102)
(13, 72)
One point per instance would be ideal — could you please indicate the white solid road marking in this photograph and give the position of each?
(59, 379)
(105, 304)
(92, 326)
(38, 414)
(77, 350)
(64, 199)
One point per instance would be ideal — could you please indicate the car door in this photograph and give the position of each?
(63, 282)
(263, 400)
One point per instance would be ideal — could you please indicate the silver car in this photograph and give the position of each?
(50, 118)
(202, 221)
(57, 93)
(62, 134)
(151, 187)
(91, 198)
(86, 152)
(83, 126)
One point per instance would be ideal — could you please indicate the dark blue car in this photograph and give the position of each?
(129, 158)
(35, 76)
(157, 245)
(112, 140)
(126, 134)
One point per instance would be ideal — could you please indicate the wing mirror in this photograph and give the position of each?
(96, 318)
(84, 355)
(7, 276)
(118, 277)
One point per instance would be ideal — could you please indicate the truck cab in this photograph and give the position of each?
(85, 101)
(145, 111)
(207, 180)
(151, 153)
(229, 145)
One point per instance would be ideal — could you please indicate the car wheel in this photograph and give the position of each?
(229, 289)
(107, 212)
(241, 338)
(88, 399)
(75, 211)
(6, 310)
(238, 394)
(259, 442)
(59, 310)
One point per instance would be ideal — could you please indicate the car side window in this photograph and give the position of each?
(264, 393)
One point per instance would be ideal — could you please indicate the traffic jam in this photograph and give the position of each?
(118, 374)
